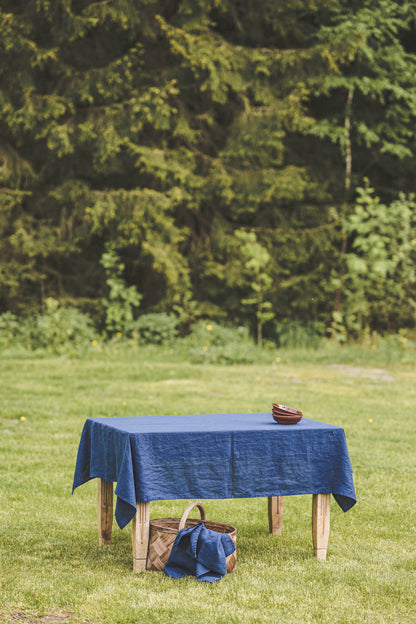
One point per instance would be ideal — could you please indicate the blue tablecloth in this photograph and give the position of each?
(213, 456)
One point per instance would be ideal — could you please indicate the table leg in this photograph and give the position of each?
(320, 524)
(104, 510)
(140, 536)
(275, 509)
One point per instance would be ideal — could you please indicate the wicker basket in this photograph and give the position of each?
(163, 532)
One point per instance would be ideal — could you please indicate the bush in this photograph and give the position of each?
(295, 335)
(59, 330)
(216, 344)
(9, 330)
(154, 328)
(207, 333)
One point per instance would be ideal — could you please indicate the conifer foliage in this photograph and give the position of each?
(154, 130)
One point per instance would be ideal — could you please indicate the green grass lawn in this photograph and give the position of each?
(52, 569)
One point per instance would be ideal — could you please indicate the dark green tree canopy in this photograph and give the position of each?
(156, 129)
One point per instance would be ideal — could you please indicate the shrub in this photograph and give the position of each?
(62, 329)
(9, 329)
(292, 334)
(59, 330)
(122, 299)
(158, 328)
(208, 333)
(217, 344)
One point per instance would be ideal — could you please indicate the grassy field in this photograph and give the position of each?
(52, 569)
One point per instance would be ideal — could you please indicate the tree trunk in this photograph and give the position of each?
(347, 188)
(259, 318)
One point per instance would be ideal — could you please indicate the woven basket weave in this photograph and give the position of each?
(163, 532)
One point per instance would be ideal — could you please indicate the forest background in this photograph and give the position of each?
(167, 161)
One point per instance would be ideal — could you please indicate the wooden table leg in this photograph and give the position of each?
(320, 524)
(140, 536)
(104, 510)
(275, 509)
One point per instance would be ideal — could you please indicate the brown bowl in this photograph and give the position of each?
(281, 413)
(287, 419)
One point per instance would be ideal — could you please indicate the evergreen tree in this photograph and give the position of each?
(159, 128)
(368, 109)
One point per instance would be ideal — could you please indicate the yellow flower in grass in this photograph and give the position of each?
(94, 343)
(118, 334)
(277, 359)
(370, 420)
(209, 327)
(22, 418)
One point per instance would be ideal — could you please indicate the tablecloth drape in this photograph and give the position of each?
(213, 456)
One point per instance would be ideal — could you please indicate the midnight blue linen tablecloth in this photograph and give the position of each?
(213, 456)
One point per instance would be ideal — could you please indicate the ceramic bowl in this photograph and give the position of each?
(285, 415)
(287, 420)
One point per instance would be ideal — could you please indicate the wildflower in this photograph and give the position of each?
(209, 327)
(118, 334)
(278, 359)
(370, 420)
(204, 348)
(94, 343)
(22, 418)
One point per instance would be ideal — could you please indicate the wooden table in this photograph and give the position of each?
(215, 456)
(140, 523)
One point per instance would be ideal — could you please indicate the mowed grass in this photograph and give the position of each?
(52, 569)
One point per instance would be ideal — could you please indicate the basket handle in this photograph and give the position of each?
(186, 514)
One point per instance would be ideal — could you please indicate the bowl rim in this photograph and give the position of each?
(285, 409)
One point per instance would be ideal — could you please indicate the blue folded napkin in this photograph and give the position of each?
(198, 551)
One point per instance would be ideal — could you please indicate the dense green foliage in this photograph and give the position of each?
(144, 142)
(381, 266)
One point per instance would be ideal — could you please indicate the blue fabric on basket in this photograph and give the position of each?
(198, 551)
(213, 456)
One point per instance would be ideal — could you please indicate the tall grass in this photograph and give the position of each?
(52, 566)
